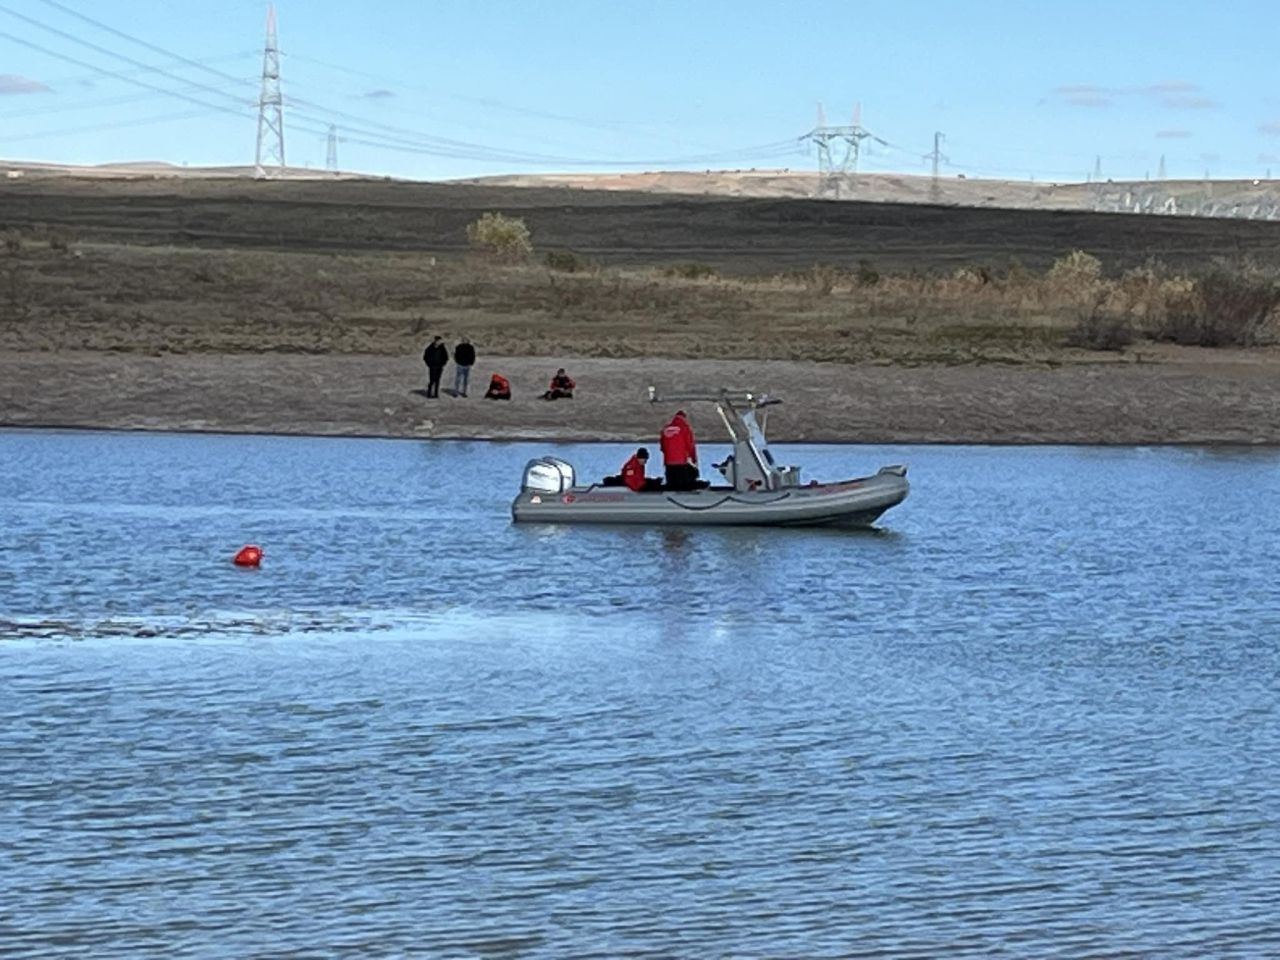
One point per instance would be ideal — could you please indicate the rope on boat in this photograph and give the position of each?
(712, 506)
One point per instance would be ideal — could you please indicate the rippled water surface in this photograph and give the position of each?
(1034, 715)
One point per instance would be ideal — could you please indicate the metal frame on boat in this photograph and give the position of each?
(757, 490)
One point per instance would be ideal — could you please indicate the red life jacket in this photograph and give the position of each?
(633, 473)
(499, 383)
(678, 447)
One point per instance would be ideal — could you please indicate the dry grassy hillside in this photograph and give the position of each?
(371, 267)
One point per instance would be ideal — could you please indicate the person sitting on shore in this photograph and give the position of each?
(561, 387)
(633, 473)
(499, 388)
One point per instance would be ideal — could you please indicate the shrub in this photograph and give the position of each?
(1226, 309)
(866, 275)
(972, 276)
(691, 270)
(1076, 269)
(566, 261)
(1101, 330)
(505, 238)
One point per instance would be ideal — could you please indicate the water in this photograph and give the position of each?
(1035, 715)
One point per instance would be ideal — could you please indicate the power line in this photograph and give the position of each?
(199, 65)
(117, 75)
(118, 56)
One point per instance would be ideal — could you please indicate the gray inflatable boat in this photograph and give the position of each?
(757, 491)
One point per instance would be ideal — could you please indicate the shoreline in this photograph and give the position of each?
(579, 440)
(1178, 398)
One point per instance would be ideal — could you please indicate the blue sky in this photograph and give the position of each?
(446, 88)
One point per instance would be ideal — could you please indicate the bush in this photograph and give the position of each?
(691, 270)
(1076, 269)
(866, 275)
(566, 261)
(505, 238)
(1226, 309)
(1100, 330)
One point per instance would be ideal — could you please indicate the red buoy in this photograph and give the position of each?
(249, 556)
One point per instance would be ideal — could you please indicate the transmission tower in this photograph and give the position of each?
(270, 104)
(1097, 169)
(1160, 174)
(331, 150)
(833, 174)
(938, 157)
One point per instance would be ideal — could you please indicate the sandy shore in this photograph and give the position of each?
(1226, 398)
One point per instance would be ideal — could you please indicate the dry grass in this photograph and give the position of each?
(60, 295)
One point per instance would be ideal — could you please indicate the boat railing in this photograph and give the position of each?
(753, 398)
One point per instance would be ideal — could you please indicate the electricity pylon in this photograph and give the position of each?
(938, 157)
(331, 150)
(833, 174)
(270, 104)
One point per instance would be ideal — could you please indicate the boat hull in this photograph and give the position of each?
(851, 503)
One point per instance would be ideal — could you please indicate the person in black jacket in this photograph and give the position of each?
(464, 355)
(435, 357)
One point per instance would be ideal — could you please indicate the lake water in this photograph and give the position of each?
(1034, 715)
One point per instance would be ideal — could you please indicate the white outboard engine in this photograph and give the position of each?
(548, 475)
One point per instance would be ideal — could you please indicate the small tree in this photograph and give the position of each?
(505, 238)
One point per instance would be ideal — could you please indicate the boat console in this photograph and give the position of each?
(751, 466)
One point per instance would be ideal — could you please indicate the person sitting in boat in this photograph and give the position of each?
(499, 388)
(633, 473)
(680, 454)
(561, 387)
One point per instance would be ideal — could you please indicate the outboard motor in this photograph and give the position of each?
(548, 475)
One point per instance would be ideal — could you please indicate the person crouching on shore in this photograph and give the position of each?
(561, 387)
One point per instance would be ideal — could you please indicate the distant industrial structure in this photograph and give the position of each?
(838, 176)
(270, 148)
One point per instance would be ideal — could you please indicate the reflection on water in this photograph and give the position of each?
(1033, 715)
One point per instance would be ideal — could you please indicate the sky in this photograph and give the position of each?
(436, 89)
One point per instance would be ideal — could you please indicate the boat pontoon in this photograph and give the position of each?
(757, 490)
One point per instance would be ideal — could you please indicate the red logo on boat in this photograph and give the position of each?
(568, 498)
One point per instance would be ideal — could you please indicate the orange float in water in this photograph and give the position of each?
(249, 556)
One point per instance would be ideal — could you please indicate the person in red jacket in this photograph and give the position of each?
(499, 388)
(561, 387)
(680, 454)
(633, 473)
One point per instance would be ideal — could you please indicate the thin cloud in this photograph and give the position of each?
(11, 83)
(378, 94)
(1173, 134)
(1269, 158)
(1270, 129)
(1080, 90)
(1170, 94)
(1210, 157)
(1189, 103)
(1167, 88)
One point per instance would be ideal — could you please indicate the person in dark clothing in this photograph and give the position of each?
(561, 387)
(464, 356)
(435, 357)
(499, 388)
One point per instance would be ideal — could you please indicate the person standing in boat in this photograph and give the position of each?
(680, 454)
(435, 357)
(464, 358)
